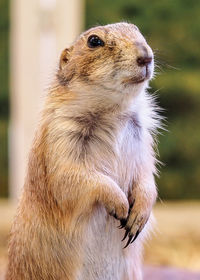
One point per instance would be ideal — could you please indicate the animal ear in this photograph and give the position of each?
(64, 58)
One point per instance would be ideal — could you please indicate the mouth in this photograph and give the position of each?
(134, 80)
(138, 79)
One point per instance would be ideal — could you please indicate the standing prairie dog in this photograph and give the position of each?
(92, 164)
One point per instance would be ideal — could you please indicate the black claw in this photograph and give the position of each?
(136, 235)
(129, 240)
(115, 216)
(123, 223)
(125, 235)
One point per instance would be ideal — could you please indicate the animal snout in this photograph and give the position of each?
(144, 60)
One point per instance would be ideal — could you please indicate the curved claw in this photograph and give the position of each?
(136, 235)
(125, 235)
(123, 223)
(129, 240)
(115, 216)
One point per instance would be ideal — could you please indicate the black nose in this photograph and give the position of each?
(144, 60)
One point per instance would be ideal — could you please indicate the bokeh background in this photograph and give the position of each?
(172, 28)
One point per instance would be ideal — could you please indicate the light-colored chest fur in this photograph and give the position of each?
(116, 144)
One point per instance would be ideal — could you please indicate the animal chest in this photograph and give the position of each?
(129, 160)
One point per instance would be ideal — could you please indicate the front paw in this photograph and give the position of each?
(135, 222)
(118, 206)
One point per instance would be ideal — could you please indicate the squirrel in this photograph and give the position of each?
(86, 205)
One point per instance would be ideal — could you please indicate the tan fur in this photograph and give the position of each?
(93, 155)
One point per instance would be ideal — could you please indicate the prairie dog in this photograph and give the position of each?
(92, 165)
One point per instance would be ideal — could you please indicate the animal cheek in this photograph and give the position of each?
(86, 73)
(103, 73)
(65, 76)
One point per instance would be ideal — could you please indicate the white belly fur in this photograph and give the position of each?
(104, 256)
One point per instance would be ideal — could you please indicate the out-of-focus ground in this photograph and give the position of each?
(176, 242)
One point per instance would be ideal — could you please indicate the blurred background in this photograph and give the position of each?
(32, 35)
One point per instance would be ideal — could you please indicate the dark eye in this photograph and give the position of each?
(94, 41)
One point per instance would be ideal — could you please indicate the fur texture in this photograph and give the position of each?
(92, 163)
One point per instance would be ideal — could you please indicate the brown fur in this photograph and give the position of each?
(78, 167)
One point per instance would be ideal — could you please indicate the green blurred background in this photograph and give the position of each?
(172, 28)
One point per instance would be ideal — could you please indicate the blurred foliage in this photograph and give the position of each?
(4, 93)
(172, 28)
(4, 51)
(3, 158)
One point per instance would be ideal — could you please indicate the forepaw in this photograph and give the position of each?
(118, 207)
(134, 223)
